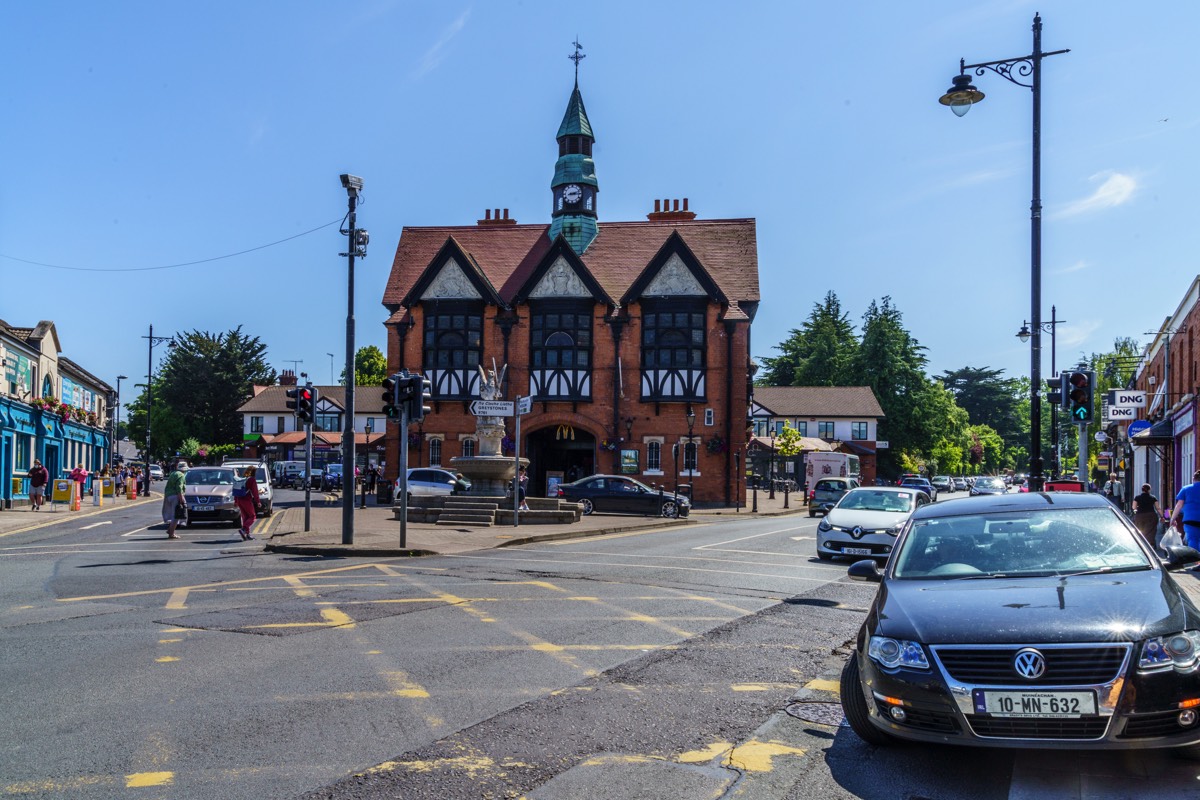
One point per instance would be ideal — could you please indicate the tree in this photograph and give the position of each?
(370, 367)
(988, 399)
(820, 353)
(201, 383)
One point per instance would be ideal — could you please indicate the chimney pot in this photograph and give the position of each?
(487, 213)
(685, 204)
(506, 213)
(657, 206)
(676, 205)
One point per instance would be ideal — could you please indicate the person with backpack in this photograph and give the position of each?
(39, 476)
(245, 496)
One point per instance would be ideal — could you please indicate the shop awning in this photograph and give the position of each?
(1160, 433)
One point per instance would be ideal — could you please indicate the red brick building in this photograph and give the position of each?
(617, 330)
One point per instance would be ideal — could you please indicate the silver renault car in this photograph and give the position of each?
(864, 523)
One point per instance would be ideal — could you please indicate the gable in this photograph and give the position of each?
(560, 281)
(674, 280)
(451, 283)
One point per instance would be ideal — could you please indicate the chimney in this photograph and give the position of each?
(664, 212)
(287, 378)
(490, 218)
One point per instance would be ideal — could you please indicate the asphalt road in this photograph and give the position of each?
(679, 663)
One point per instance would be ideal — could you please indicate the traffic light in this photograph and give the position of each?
(421, 391)
(306, 401)
(294, 394)
(1058, 391)
(1081, 395)
(391, 406)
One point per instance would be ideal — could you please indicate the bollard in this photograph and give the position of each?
(755, 495)
(785, 494)
(74, 495)
(97, 493)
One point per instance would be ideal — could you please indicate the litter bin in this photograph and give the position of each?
(383, 493)
(685, 489)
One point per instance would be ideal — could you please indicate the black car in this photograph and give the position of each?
(1026, 621)
(616, 493)
(988, 484)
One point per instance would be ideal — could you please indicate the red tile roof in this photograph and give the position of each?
(507, 255)
(819, 401)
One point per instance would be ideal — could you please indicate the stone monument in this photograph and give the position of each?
(490, 470)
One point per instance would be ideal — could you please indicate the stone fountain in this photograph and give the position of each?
(490, 471)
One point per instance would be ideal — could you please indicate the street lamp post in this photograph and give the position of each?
(116, 419)
(151, 341)
(960, 97)
(1024, 335)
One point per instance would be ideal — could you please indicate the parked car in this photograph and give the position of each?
(924, 484)
(617, 493)
(331, 477)
(425, 481)
(1012, 622)
(288, 473)
(961, 485)
(988, 484)
(866, 521)
(825, 493)
(156, 472)
(262, 478)
(942, 483)
(208, 493)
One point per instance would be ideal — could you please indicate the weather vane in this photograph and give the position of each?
(577, 56)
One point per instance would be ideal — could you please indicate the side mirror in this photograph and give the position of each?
(868, 570)
(1180, 557)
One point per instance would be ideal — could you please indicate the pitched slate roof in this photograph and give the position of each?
(273, 399)
(819, 401)
(508, 254)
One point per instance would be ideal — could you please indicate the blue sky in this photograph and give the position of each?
(147, 134)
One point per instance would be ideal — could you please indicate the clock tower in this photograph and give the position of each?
(574, 187)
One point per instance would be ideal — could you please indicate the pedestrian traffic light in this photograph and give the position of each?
(294, 394)
(1082, 395)
(306, 402)
(391, 406)
(421, 392)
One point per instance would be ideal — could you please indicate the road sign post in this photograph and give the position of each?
(492, 408)
(523, 405)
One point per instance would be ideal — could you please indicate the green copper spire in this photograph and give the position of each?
(574, 187)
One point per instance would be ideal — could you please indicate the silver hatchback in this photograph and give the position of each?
(865, 522)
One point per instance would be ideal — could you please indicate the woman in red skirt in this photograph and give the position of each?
(246, 499)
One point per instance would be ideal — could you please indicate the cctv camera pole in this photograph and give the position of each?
(352, 185)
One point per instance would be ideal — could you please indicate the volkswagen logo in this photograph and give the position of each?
(856, 531)
(1030, 664)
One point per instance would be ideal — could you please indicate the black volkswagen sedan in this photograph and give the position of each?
(623, 495)
(1026, 620)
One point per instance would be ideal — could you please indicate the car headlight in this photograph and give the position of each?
(824, 525)
(1178, 649)
(893, 653)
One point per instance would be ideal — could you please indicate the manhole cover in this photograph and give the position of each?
(821, 713)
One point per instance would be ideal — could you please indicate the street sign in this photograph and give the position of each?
(1119, 413)
(1100, 436)
(881, 445)
(1137, 426)
(524, 405)
(1126, 398)
(492, 408)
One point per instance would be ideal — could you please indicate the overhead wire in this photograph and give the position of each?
(168, 266)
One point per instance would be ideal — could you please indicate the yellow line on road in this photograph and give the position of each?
(178, 599)
(142, 779)
(823, 685)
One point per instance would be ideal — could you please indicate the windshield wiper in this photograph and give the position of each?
(1104, 570)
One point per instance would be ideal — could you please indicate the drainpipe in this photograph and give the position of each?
(616, 323)
(730, 327)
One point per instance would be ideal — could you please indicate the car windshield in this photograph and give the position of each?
(873, 500)
(209, 477)
(1038, 543)
(989, 483)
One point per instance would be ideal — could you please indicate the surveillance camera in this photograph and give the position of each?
(352, 182)
(361, 237)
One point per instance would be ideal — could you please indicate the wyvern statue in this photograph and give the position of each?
(490, 382)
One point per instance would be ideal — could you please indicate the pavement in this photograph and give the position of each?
(377, 532)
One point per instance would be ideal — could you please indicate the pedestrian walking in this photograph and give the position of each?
(39, 476)
(1146, 514)
(1114, 490)
(80, 476)
(372, 478)
(523, 487)
(1185, 517)
(173, 500)
(245, 496)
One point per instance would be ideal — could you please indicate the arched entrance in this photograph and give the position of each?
(558, 452)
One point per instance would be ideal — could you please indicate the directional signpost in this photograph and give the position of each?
(492, 408)
(523, 406)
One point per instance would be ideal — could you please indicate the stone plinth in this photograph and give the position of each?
(489, 475)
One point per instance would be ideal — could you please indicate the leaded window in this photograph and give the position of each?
(468, 448)
(560, 349)
(452, 343)
(673, 349)
(654, 456)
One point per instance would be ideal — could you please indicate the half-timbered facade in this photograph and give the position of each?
(616, 330)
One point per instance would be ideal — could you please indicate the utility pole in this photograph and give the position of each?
(358, 247)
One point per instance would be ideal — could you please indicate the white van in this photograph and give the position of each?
(262, 477)
(288, 473)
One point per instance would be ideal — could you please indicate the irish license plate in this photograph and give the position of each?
(857, 551)
(1045, 705)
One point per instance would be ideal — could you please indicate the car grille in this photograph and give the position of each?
(921, 719)
(1161, 723)
(1086, 728)
(1065, 666)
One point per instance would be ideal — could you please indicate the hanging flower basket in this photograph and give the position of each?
(716, 445)
(611, 444)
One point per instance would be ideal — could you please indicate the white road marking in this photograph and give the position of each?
(95, 525)
(747, 538)
(644, 566)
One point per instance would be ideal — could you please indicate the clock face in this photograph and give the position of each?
(572, 193)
